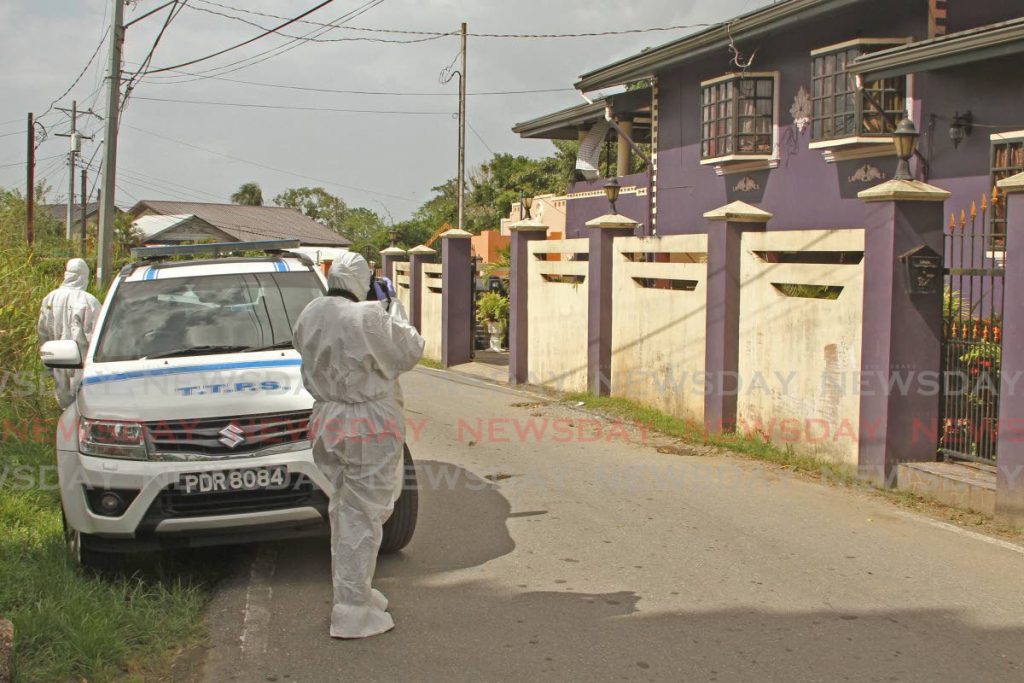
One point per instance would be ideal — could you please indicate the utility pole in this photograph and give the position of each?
(105, 250)
(30, 181)
(75, 146)
(85, 207)
(462, 133)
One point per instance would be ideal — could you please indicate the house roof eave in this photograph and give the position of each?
(964, 47)
(752, 24)
(564, 123)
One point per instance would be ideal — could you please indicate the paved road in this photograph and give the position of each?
(602, 559)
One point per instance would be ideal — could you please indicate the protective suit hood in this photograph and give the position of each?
(350, 272)
(76, 274)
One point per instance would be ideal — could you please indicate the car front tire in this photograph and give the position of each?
(399, 528)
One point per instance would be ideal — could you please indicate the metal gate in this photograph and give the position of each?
(973, 332)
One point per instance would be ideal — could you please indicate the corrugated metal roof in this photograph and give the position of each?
(246, 223)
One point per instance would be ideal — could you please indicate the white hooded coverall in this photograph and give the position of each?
(352, 354)
(69, 312)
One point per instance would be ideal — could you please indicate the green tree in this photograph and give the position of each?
(248, 194)
(317, 203)
(367, 231)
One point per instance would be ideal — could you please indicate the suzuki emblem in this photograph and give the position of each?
(232, 436)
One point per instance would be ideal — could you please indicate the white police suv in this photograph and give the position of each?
(190, 423)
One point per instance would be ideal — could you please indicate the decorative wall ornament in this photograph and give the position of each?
(866, 174)
(801, 109)
(746, 184)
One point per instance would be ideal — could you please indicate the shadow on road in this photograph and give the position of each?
(479, 630)
(462, 524)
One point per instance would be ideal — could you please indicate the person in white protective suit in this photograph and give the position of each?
(69, 312)
(353, 351)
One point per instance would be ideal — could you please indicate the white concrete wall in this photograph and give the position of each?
(557, 316)
(402, 291)
(658, 333)
(799, 357)
(430, 310)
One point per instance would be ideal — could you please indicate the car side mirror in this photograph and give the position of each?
(62, 353)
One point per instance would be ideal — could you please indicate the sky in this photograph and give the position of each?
(387, 162)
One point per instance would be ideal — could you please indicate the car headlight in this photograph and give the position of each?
(112, 439)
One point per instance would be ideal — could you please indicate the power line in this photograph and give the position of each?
(275, 51)
(22, 163)
(136, 77)
(284, 86)
(441, 34)
(480, 138)
(296, 108)
(267, 167)
(244, 42)
(321, 40)
(79, 77)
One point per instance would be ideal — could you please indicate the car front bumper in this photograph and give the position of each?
(154, 518)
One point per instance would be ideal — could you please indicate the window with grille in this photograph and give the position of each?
(738, 116)
(839, 109)
(1007, 160)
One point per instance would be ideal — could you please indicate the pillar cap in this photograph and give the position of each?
(1014, 183)
(528, 224)
(904, 191)
(392, 251)
(613, 221)
(456, 233)
(422, 250)
(739, 212)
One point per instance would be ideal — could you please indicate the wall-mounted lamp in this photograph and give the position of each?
(528, 204)
(905, 140)
(611, 190)
(392, 235)
(960, 128)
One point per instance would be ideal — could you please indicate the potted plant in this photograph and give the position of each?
(492, 310)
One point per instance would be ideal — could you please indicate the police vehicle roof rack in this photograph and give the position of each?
(214, 249)
(149, 255)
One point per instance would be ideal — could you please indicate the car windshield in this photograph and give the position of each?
(244, 312)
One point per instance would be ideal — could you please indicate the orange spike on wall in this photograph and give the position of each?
(963, 220)
(952, 222)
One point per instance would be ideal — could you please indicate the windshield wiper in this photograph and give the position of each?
(286, 344)
(197, 351)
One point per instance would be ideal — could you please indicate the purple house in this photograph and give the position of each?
(791, 108)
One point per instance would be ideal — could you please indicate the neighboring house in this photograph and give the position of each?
(60, 212)
(167, 222)
(488, 245)
(791, 107)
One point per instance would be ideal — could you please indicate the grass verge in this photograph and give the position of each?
(431, 363)
(750, 445)
(71, 625)
(756, 447)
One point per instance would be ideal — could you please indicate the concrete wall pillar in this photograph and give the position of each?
(902, 332)
(722, 326)
(457, 283)
(624, 159)
(603, 230)
(523, 233)
(1010, 452)
(388, 258)
(417, 257)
